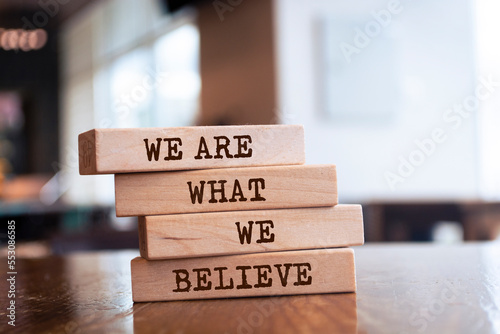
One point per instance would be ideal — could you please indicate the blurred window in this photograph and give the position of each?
(126, 64)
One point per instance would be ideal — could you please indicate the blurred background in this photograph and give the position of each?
(403, 96)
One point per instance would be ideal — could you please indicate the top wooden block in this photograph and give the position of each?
(112, 151)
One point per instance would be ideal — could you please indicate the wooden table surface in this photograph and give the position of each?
(404, 288)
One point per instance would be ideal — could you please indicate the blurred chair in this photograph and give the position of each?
(415, 221)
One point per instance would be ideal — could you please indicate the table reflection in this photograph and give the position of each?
(401, 289)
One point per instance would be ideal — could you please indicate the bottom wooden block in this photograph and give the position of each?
(263, 274)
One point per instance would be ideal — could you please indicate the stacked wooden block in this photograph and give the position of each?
(227, 211)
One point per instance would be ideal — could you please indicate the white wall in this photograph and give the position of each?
(488, 59)
(433, 66)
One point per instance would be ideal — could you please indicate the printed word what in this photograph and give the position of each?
(218, 187)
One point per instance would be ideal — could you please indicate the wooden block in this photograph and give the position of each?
(111, 151)
(226, 189)
(239, 232)
(261, 274)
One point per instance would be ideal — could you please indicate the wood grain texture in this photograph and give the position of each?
(401, 288)
(111, 151)
(276, 187)
(238, 232)
(87, 159)
(261, 274)
(334, 313)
